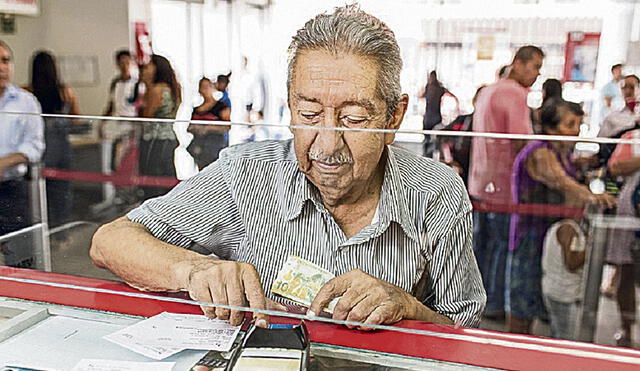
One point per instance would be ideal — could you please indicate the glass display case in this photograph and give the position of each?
(57, 313)
(51, 321)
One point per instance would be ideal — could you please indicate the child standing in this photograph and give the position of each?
(562, 260)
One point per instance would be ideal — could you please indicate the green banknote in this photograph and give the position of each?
(300, 280)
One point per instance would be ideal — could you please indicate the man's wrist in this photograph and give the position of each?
(183, 269)
(181, 272)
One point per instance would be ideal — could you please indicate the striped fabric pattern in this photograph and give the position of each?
(254, 205)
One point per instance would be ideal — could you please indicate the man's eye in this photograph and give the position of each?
(309, 115)
(354, 120)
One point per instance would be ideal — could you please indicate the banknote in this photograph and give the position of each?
(300, 280)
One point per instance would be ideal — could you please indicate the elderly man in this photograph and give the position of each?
(393, 227)
(21, 142)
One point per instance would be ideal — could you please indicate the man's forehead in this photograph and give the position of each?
(537, 59)
(350, 77)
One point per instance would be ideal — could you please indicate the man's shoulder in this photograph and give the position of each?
(610, 88)
(508, 86)
(259, 152)
(425, 175)
(23, 95)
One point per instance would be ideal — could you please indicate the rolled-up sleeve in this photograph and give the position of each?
(456, 285)
(32, 145)
(200, 211)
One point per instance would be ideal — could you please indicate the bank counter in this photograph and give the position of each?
(51, 321)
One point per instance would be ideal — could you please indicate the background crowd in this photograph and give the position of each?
(531, 264)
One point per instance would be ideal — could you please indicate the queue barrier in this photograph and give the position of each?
(126, 175)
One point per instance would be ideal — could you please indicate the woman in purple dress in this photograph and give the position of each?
(543, 173)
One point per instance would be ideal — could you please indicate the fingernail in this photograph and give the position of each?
(261, 323)
(311, 313)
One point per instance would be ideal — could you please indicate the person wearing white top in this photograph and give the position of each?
(562, 260)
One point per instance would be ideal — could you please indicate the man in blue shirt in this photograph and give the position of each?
(21, 142)
(611, 94)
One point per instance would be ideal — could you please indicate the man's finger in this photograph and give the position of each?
(377, 317)
(219, 296)
(201, 293)
(235, 294)
(274, 305)
(255, 294)
(348, 300)
(361, 311)
(332, 289)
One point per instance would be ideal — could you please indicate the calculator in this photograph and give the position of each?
(212, 361)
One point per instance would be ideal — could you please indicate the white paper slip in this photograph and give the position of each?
(152, 351)
(193, 331)
(109, 365)
(177, 331)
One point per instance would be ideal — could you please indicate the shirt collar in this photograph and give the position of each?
(10, 92)
(393, 201)
(297, 189)
(392, 206)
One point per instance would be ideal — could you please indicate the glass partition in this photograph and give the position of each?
(551, 229)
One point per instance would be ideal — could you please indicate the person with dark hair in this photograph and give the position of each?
(208, 140)
(501, 108)
(21, 143)
(161, 100)
(543, 173)
(122, 87)
(433, 93)
(611, 95)
(623, 119)
(55, 97)
(222, 82)
(455, 151)
(551, 89)
(122, 99)
(624, 161)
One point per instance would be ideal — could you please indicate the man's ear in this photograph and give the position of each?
(396, 118)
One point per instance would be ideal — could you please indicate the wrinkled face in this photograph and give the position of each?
(6, 67)
(568, 126)
(339, 91)
(527, 72)
(629, 87)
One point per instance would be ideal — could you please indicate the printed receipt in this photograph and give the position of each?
(160, 336)
(108, 365)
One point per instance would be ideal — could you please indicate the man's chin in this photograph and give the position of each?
(330, 187)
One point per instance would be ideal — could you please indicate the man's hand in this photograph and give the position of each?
(227, 283)
(370, 300)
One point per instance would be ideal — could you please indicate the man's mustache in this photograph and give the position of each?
(334, 159)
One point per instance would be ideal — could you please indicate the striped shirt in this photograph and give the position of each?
(254, 205)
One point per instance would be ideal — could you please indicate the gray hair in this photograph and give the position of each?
(350, 30)
(7, 47)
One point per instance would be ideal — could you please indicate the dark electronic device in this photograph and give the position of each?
(279, 347)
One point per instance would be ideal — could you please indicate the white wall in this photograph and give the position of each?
(78, 28)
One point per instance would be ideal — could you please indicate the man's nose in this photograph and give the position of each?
(329, 139)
